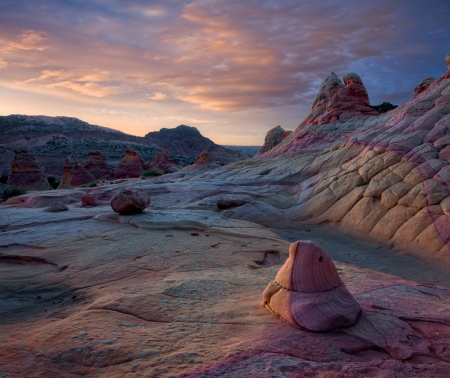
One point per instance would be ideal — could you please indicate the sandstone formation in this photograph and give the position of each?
(56, 206)
(273, 138)
(130, 201)
(423, 85)
(26, 173)
(163, 162)
(132, 165)
(202, 163)
(177, 293)
(97, 165)
(307, 291)
(75, 174)
(447, 60)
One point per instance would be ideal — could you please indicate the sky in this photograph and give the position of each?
(232, 68)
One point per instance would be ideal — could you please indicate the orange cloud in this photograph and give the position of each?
(3, 63)
(27, 40)
(88, 89)
(156, 97)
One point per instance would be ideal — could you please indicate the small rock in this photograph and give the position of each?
(56, 206)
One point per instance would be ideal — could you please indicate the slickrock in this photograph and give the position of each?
(26, 173)
(75, 174)
(178, 293)
(307, 291)
(132, 165)
(273, 138)
(97, 165)
(56, 206)
(423, 85)
(163, 162)
(130, 201)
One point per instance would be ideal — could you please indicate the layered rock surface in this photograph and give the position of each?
(26, 173)
(178, 293)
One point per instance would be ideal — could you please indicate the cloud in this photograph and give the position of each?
(3, 63)
(87, 89)
(27, 40)
(156, 97)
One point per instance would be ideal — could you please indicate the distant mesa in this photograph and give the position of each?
(188, 141)
(52, 139)
(26, 173)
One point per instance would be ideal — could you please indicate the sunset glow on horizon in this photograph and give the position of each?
(233, 69)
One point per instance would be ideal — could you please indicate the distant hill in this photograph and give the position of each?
(248, 150)
(187, 141)
(52, 139)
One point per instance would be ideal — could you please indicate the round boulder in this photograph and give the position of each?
(130, 201)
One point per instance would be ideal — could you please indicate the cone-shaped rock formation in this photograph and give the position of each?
(308, 292)
(97, 165)
(26, 173)
(75, 174)
(163, 162)
(131, 165)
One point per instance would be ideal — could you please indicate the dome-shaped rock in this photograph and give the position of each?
(423, 85)
(273, 138)
(308, 292)
(130, 201)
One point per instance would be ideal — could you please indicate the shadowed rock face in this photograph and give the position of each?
(447, 60)
(26, 173)
(75, 174)
(163, 162)
(132, 165)
(97, 165)
(307, 291)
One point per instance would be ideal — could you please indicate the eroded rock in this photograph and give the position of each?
(131, 166)
(130, 201)
(26, 173)
(75, 174)
(308, 292)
